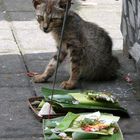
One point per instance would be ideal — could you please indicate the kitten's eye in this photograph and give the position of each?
(40, 18)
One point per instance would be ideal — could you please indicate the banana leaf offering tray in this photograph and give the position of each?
(86, 101)
(64, 101)
(88, 126)
(36, 104)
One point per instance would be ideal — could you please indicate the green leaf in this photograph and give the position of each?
(50, 124)
(66, 122)
(83, 99)
(92, 107)
(47, 92)
(54, 137)
(63, 99)
(89, 136)
(48, 132)
(83, 135)
(41, 104)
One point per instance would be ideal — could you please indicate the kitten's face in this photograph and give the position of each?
(48, 14)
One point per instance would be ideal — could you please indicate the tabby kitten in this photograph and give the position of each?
(88, 46)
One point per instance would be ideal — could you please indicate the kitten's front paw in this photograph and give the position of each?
(68, 84)
(40, 78)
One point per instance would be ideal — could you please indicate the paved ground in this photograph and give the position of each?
(23, 47)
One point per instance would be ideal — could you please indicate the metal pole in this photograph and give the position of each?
(59, 50)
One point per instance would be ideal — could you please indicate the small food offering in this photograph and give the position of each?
(101, 96)
(46, 110)
(67, 101)
(83, 127)
(83, 101)
(40, 107)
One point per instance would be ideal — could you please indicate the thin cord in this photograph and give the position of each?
(59, 50)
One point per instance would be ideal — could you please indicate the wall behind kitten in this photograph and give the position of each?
(105, 13)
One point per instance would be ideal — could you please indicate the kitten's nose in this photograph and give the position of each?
(45, 29)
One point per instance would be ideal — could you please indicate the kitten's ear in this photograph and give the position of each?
(59, 5)
(52, 4)
(63, 3)
(36, 2)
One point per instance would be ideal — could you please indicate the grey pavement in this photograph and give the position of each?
(23, 48)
